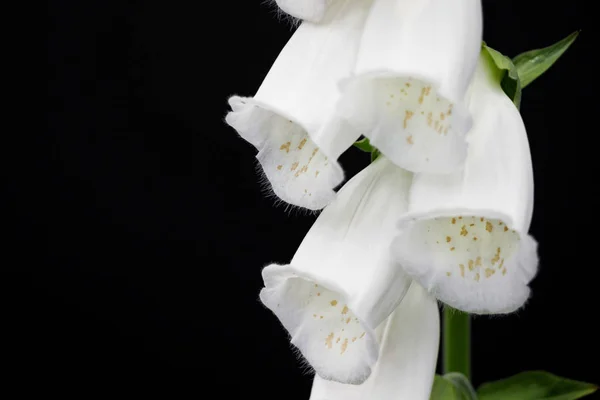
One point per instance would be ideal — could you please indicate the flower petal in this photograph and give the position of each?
(414, 66)
(308, 10)
(465, 238)
(288, 118)
(406, 366)
(342, 282)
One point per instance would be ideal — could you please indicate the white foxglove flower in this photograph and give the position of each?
(343, 282)
(415, 63)
(408, 348)
(287, 120)
(465, 238)
(308, 10)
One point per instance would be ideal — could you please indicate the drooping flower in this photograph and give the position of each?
(415, 63)
(308, 10)
(289, 118)
(343, 282)
(466, 236)
(408, 347)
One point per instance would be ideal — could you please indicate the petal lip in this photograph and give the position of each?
(275, 276)
(289, 173)
(501, 285)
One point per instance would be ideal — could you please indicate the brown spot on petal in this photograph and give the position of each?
(496, 257)
(279, 167)
(286, 147)
(302, 143)
(333, 303)
(329, 340)
(489, 227)
(345, 310)
(294, 166)
(344, 346)
(407, 116)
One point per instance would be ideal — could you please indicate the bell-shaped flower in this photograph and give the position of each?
(288, 118)
(408, 347)
(415, 62)
(466, 238)
(307, 10)
(343, 281)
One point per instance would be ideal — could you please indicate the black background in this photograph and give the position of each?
(149, 228)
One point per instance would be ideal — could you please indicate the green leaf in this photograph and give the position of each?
(508, 75)
(535, 385)
(531, 64)
(452, 386)
(364, 145)
(462, 383)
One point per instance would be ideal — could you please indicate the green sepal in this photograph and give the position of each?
(533, 63)
(366, 146)
(376, 153)
(535, 385)
(509, 77)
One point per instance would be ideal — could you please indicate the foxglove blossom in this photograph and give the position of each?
(289, 118)
(415, 63)
(342, 283)
(408, 347)
(308, 10)
(465, 238)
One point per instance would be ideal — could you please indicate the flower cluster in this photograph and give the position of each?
(442, 214)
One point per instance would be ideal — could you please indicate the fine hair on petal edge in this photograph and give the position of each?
(304, 365)
(281, 15)
(267, 191)
(516, 313)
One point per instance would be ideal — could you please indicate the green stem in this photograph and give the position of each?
(457, 342)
